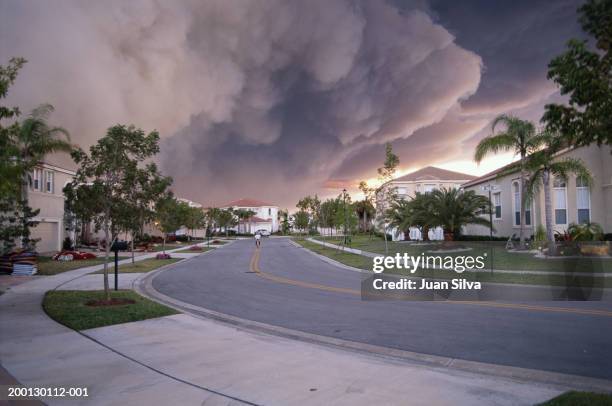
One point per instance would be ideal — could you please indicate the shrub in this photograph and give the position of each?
(163, 256)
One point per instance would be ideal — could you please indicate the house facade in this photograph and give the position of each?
(573, 200)
(421, 181)
(46, 194)
(266, 215)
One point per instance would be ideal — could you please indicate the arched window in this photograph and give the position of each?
(560, 200)
(583, 201)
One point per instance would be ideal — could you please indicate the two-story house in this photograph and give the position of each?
(266, 215)
(46, 194)
(421, 181)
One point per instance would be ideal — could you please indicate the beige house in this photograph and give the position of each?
(421, 181)
(46, 193)
(573, 201)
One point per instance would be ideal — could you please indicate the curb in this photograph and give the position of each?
(144, 287)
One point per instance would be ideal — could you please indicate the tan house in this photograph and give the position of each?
(423, 180)
(573, 201)
(46, 193)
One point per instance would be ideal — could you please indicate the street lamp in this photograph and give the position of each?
(345, 217)
(489, 188)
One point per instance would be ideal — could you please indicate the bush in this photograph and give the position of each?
(67, 244)
(607, 237)
(182, 238)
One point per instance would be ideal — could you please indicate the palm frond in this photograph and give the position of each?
(494, 144)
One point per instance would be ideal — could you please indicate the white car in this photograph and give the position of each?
(263, 232)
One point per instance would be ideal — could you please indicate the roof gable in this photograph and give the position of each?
(433, 173)
(248, 203)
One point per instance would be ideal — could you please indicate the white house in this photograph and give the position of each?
(422, 181)
(573, 201)
(266, 215)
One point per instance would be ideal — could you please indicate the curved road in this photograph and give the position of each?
(298, 290)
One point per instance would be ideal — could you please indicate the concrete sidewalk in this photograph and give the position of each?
(182, 359)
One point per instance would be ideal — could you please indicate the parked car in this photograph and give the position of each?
(263, 232)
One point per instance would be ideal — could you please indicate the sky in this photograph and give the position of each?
(275, 100)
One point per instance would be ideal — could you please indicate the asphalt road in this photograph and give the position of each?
(298, 290)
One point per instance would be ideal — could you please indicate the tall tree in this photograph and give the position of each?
(368, 194)
(584, 73)
(227, 219)
(106, 168)
(543, 165)
(518, 138)
(194, 220)
(11, 169)
(385, 194)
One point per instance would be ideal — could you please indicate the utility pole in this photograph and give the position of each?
(345, 217)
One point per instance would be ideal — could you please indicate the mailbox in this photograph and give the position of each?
(119, 246)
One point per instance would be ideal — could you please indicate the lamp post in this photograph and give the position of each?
(345, 217)
(489, 188)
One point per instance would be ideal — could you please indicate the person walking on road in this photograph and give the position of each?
(257, 240)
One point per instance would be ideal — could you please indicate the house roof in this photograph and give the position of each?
(487, 176)
(433, 173)
(248, 203)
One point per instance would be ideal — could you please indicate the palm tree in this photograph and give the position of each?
(364, 210)
(518, 138)
(542, 165)
(416, 212)
(34, 140)
(452, 209)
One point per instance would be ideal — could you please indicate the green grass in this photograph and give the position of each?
(68, 308)
(47, 266)
(500, 258)
(146, 265)
(574, 398)
(354, 260)
(362, 262)
(188, 251)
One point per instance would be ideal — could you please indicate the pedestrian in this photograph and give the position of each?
(257, 240)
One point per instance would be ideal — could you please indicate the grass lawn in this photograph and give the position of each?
(188, 251)
(499, 257)
(146, 265)
(47, 266)
(69, 308)
(359, 261)
(574, 398)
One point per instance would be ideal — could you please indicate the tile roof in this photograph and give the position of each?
(433, 173)
(248, 203)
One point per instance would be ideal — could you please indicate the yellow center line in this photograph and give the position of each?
(254, 267)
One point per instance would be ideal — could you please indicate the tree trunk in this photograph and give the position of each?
(132, 249)
(550, 236)
(164, 245)
(25, 237)
(106, 258)
(522, 202)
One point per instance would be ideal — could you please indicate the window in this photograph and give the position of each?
(517, 203)
(583, 201)
(48, 181)
(269, 212)
(37, 179)
(429, 188)
(497, 205)
(560, 200)
(401, 190)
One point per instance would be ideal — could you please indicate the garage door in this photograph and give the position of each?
(47, 232)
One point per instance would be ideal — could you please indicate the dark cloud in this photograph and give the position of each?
(276, 99)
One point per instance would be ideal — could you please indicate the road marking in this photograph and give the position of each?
(254, 266)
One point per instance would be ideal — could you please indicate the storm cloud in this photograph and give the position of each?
(273, 99)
